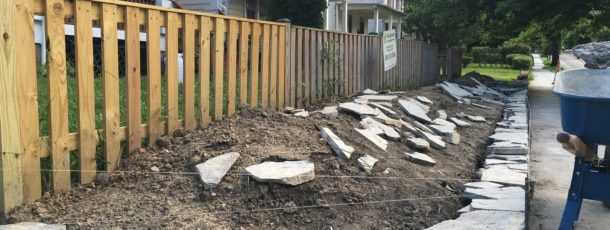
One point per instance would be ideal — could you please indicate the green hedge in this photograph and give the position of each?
(522, 63)
(486, 55)
(518, 48)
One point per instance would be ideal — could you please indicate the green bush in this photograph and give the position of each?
(509, 58)
(466, 60)
(487, 55)
(522, 63)
(518, 48)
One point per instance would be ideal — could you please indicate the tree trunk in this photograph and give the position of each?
(555, 47)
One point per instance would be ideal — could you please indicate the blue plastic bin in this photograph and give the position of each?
(585, 104)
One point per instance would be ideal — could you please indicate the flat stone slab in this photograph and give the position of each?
(388, 121)
(287, 172)
(497, 193)
(358, 109)
(441, 114)
(484, 220)
(515, 158)
(32, 226)
(503, 175)
(483, 185)
(213, 170)
(374, 138)
(517, 205)
(342, 150)
(515, 138)
(425, 107)
(382, 98)
(414, 111)
(372, 124)
(460, 123)
(507, 148)
(367, 162)
(421, 126)
(475, 118)
(443, 122)
(384, 109)
(452, 138)
(420, 159)
(330, 111)
(418, 144)
(442, 130)
(454, 90)
(424, 100)
(302, 114)
(369, 92)
(435, 141)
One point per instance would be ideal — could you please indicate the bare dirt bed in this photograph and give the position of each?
(342, 196)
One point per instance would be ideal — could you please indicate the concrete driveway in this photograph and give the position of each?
(551, 166)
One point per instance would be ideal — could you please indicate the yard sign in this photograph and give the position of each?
(389, 49)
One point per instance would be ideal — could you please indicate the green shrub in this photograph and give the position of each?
(522, 63)
(518, 48)
(466, 60)
(509, 58)
(487, 55)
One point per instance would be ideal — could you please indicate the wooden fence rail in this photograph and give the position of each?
(228, 62)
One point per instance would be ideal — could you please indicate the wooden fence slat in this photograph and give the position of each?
(219, 47)
(306, 72)
(312, 66)
(232, 66)
(318, 58)
(132, 65)
(332, 63)
(11, 181)
(265, 67)
(204, 70)
(171, 69)
(281, 94)
(153, 51)
(110, 75)
(325, 69)
(254, 72)
(299, 69)
(274, 68)
(188, 42)
(243, 62)
(293, 66)
(27, 102)
(345, 59)
(58, 94)
(86, 93)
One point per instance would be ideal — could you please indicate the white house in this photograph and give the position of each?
(239, 8)
(364, 16)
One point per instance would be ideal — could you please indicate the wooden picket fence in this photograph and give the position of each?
(228, 62)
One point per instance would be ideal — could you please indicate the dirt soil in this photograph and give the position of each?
(342, 196)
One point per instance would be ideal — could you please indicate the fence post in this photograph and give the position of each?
(11, 183)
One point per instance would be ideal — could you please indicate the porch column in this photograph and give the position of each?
(376, 20)
(399, 29)
(391, 22)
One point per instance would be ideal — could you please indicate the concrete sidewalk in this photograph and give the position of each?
(551, 166)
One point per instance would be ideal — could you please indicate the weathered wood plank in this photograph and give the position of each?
(265, 66)
(110, 75)
(325, 65)
(306, 67)
(254, 72)
(219, 47)
(282, 57)
(172, 72)
(188, 42)
(58, 92)
(11, 181)
(299, 69)
(243, 62)
(232, 66)
(318, 58)
(293, 67)
(28, 101)
(86, 92)
(153, 51)
(205, 28)
(132, 65)
(273, 87)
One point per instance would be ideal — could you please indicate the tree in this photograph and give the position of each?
(555, 18)
(300, 12)
(446, 22)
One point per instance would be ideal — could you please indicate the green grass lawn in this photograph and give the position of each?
(497, 72)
